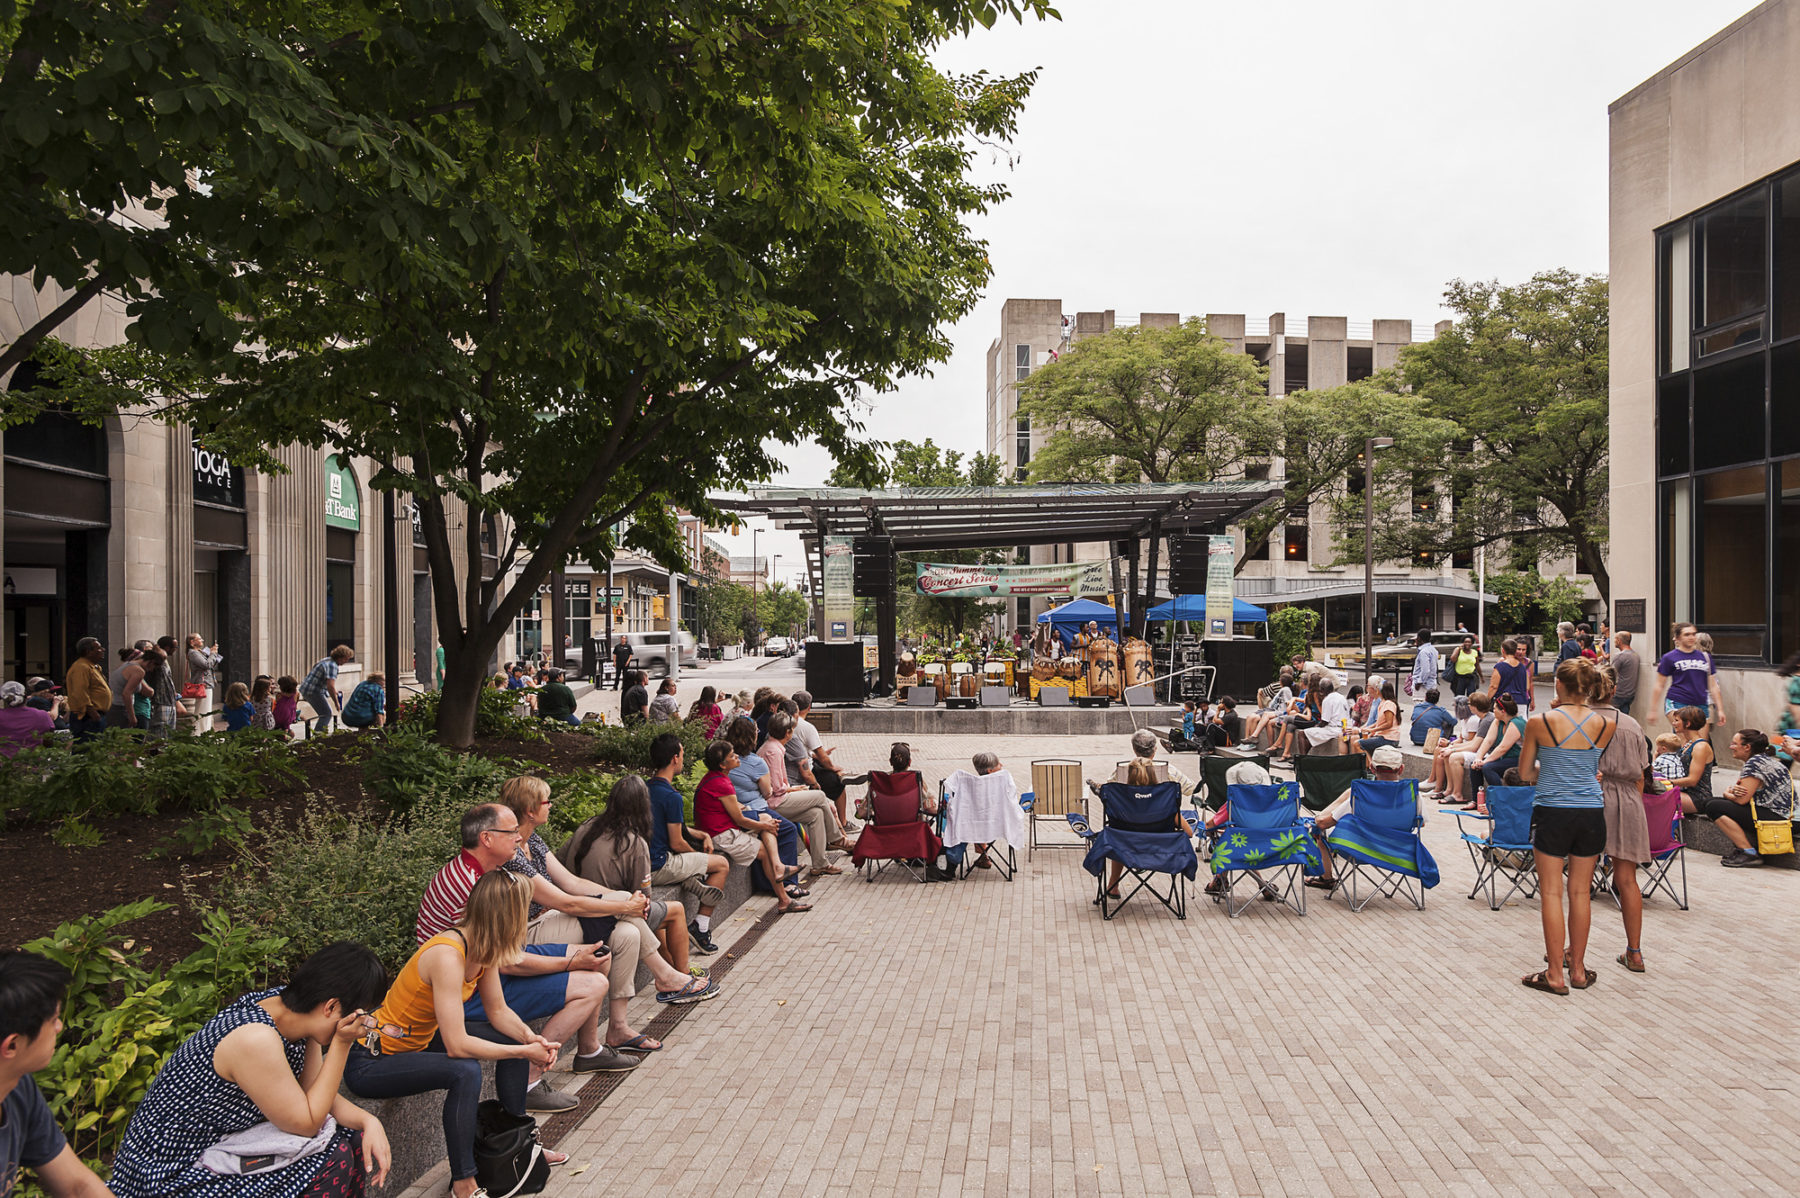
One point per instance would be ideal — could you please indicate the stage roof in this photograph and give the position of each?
(997, 517)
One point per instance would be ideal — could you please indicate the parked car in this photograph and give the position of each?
(650, 651)
(777, 646)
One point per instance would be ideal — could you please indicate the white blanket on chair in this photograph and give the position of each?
(984, 808)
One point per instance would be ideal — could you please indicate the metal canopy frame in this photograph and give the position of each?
(920, 519)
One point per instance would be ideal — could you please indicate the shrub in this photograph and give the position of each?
(1291, 631)
(122, 1019)
(494, 715)
(629, 748)
(407, 766)
(344, 877)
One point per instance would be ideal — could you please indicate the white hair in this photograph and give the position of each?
(1143, 742)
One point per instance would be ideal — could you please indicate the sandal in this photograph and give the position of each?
(842, 845)
(1625, 959)
(1541, 981)
(1326, 884)
(640, 1043)
(1592, 977)
(791, 908)
(553, 1157)
(1270, 894)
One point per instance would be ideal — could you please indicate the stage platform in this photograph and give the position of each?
(1022, 718)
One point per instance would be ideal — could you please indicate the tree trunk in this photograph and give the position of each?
(465, 673)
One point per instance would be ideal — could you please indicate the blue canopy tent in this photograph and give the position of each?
(1069, 618)
(1193, 607)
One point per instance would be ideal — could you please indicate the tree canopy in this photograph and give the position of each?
(1523, 376)
(1152, 405)
(566, 263)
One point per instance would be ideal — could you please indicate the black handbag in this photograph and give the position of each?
(508, 1158)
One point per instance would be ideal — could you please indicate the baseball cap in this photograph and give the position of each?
(1387, 757)
(34, 685)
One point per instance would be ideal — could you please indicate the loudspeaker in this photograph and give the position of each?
(962, 702)
(873, 561)
(1243, 666)
(1140, 696)
(1053, 696)
(1187, 565)
(996, 696)
(922, 696)
(834, 672)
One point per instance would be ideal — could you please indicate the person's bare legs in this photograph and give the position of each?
(1581, 913)
(772, 870)
(1550, 887)
(672, 937)
(1631, 908)
(1453, 775)
(580, 1016)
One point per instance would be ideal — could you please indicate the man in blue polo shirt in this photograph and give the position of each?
(673, 861)
(31, 997)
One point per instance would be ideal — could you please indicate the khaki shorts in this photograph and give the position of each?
(739, 845)
(680, 867)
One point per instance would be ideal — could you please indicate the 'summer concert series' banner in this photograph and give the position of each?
(982, 582)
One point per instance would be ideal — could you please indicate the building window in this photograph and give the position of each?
(1672, 425)
(1732, 242)
(1022, 445)
(1732, 603)
(1021, 362)
(1676, 282)
(1259, 552)
(1675, 550)
(1295, 549)
(1787, 257)
(1784, 400)
(1728, 400)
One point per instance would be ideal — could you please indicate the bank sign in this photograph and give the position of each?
(343, 506)
(943, 581)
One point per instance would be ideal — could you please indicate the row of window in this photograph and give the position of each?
(1727, 413)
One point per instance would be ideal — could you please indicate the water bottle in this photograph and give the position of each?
(1481, 801)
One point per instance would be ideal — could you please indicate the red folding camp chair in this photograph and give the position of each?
(896, 831)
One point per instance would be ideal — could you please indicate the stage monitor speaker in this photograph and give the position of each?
(1140, 696)
(962, 702)
(921, 696)
(996, 696)
(1243, 667)
(834, 672)
(1053, 696)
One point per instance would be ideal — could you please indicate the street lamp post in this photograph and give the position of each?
(774, 575)
(755, 612)
(1370, 445)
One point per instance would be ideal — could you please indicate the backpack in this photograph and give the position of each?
(508, 1158)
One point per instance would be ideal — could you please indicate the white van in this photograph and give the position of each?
(650, 651)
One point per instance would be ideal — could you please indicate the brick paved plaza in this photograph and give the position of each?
(981, 1037)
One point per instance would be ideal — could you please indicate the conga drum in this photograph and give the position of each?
(968, 685)
(1069, 667)
(1140, 670)
(1043, 669)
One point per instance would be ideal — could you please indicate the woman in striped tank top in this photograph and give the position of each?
(1561, 757)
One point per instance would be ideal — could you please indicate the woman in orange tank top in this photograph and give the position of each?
(419, 1041)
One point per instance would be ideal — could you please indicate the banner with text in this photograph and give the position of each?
(945, 581)
(839, 600)
(1221, 563)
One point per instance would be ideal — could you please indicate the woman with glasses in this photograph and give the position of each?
(420, 1042)
(260, 1079)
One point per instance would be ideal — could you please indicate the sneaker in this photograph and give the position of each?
(704, 895)
(851, 825)
(699, 942)
(1739, 859)
(607, 1060)
(541, 1098)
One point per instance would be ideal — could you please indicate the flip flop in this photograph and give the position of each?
(640, 1044)
(1541, 981)
(826, 869)
(1625, 960)
(791, 908)
(553, 1157)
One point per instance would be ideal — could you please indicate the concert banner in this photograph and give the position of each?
(948, 581)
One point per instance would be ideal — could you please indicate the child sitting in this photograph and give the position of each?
(287, 704)
(1667, 765)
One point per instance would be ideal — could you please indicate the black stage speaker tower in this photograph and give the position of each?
(874, 561)
(834, 673)
(1187, 565)
(1243, 667)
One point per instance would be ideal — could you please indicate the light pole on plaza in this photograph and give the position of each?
(1370, 445)
(774, 576)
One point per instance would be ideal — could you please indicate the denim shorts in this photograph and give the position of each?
(534, 996)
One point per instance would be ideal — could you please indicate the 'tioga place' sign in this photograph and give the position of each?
(216, 480)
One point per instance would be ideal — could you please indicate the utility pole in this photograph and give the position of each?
(1370, 445)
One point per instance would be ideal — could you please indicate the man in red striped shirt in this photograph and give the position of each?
(565, 983)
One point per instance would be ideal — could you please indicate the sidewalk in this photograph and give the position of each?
(986, 1038)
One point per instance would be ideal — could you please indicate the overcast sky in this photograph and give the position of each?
(1313, 157)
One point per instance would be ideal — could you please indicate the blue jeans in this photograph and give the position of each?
(1370, 743)
(1495, 772)
(787, 847)
(396, 1075)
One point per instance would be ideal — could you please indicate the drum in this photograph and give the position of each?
(1069, 667)
(1043, 669)
(1140, 667)
(968, 685)
(1103, 669)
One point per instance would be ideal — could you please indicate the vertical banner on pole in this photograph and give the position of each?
(839, 568)
(1221, 556)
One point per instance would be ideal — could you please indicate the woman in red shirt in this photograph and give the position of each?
(737, 834)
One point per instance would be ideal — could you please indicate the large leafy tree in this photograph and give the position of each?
(650, 240)
(1523, 376)
(1150, 405)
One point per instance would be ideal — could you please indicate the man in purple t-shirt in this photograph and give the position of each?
(1686, 677)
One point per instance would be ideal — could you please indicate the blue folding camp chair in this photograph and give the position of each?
(1500, 844)
(1264, 835)
(1377, 841)
(1140, 831)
